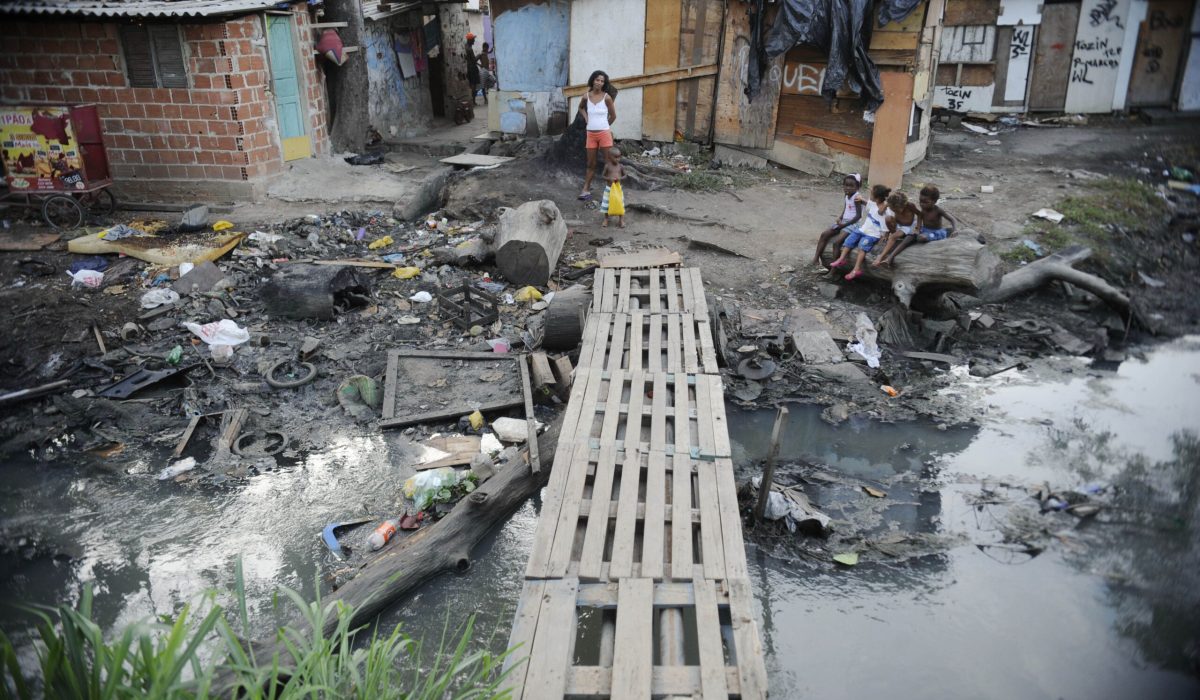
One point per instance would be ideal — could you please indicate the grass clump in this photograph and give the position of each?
(1112, 202)
(700, 181)
(199, 656)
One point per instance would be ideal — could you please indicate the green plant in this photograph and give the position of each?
(1111, 202)
(1018, 254)
(197, 658)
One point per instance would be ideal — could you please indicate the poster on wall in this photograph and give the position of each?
(39, 149)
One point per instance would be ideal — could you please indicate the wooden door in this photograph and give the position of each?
(285, 83)
(893, 120)
(1160, 46)
(1052, 56)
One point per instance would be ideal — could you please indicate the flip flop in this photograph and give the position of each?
(585, 196)
(853, 276)
(836, 264)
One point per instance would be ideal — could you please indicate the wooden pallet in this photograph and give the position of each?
(642, 341)
(660, 290)
(599, 640)
(661, 412)
(610, 514)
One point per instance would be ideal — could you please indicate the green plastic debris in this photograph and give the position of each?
(175, 355)
(846, 558)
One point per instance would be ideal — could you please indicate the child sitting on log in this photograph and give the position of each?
(852, 208)
(613, 203)
(934, 224)
(908, 224)
(878, 222)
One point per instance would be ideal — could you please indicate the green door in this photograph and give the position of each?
(285, 82)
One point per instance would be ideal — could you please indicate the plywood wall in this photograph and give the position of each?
(741, 121)
(610, 35)
(1096, 61)
(700, 25)
(531, 44)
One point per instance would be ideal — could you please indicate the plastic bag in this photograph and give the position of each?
(529, 294)
(421, 297)
(380, 243)
(865, 345)
(616, 200)
(88, 278)
(158, 297)
(223, 332)
(405, 273)
(423, 487)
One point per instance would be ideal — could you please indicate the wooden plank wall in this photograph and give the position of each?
(662, 53)
(740, 121)
(700, 26)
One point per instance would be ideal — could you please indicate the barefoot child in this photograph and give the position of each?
(852, 209)
(879, 220)
(908, 224)
(613, 203)
(934, 224)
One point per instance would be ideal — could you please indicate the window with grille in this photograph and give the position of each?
(153, 56)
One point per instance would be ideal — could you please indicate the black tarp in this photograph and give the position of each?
(833, 27)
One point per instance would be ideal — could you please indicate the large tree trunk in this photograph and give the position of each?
(302, 291)
(529, 241)
(960, 263)
(454, 53)
(348, 83)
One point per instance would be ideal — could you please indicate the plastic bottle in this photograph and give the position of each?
(383, 533)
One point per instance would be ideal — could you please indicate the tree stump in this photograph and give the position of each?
(529, 241)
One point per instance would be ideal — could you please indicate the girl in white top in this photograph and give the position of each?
(852, 209)
(599, 111)
(879, 221)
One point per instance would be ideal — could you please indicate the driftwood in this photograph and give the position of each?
(529, 241)
(963, 264)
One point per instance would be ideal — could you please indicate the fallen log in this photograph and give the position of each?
(529, 241)
(311, 291)
(959, 263)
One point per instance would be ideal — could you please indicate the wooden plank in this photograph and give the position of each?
(655, 292)
(529, 607)
(712, 549)
(598, 291)
(461, 448)
(654, 524)
(623, 291)
(475, 159)
(690, 361)
(699, 298)
(668, 682)
(656, 78)
(627, 503)
(538, 565)
(685, 289)
(633, 659)
(187, 435)
(721, 446)
(635, 412)
(610, 291)
(637, 329)
(895, 41)
(704, 416)
(681, 528)
(658, 414)
(891, 129)
(683, 433)
(615, 342)
(568, 513)
(731, 527)
(554, 640)
(654, 355)
(389, 386)
(752, 673)
(672, 288)
(595, 340)
(587, 409)
(1156, 62)
(535, 463)
(575, 404)
(741, 121)
(673, 347)
(596, 535)
(451, 414)
(708, 640)
(1052, 56)
(963, 12)
(650, 257)
(662, 53)
(27, 242)
(708, 351)
(612, 407)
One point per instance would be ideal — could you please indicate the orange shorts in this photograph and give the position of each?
(599, 139)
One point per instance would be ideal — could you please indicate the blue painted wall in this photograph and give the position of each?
(532, 45)
(399, 107)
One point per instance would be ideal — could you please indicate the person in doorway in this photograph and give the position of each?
(599, 110)
(878, 222)
(473, 68)
(852, 209)
(613, 203)
(487, 77)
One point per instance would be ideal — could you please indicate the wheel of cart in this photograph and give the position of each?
(100, 202)
(62, 211)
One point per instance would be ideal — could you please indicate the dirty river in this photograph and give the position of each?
(966, 587)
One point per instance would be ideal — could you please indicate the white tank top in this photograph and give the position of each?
(850, 213)
(597, 114)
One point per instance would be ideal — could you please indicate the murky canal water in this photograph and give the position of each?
(1108, 608)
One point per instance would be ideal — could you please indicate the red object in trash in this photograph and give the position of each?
(53, 148)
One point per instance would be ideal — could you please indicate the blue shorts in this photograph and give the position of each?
(860, 240)
(934, 234)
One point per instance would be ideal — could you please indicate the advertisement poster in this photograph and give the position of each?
(39, 149)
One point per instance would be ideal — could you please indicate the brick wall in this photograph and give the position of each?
(217, 138)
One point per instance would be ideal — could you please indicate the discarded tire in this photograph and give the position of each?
(310, 373)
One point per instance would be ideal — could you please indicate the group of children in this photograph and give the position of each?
(888, 217)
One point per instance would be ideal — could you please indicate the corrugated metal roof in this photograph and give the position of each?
(135, 8)
(382, 9)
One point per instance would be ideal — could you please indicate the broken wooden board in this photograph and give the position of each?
(34, 241)
(817, 347)
(650, 257)
(430, 386)
(461, 449)
(472, 160)
(166, 250)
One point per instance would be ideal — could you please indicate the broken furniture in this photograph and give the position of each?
(468, 307)
(136, 381)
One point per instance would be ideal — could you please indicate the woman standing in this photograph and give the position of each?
(599, 110)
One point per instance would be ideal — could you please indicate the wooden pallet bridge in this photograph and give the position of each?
(637, 586)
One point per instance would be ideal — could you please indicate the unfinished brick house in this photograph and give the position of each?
(199, 99)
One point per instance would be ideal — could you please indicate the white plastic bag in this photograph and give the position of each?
(424, 486)
(157, 297)
(421, 297)
(88, 278)
(223, 332)
(866, 335)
